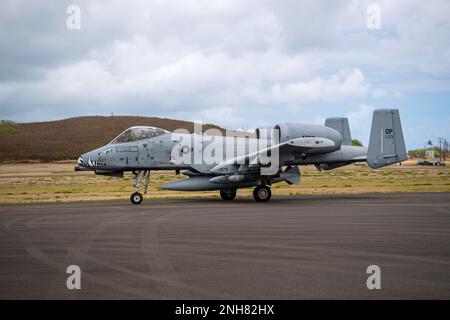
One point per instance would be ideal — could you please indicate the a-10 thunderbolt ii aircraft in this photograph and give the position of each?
(215, 162)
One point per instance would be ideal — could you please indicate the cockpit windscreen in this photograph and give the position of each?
(138, 133)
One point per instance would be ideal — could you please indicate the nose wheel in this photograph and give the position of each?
(136, 198)
(262, 193)
(142, 177)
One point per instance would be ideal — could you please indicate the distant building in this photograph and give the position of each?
(429, 154)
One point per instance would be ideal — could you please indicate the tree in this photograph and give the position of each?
(430, 143)
(357, 143)
(8, 127)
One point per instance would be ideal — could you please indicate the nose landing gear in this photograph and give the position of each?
(136, 198)
(141, 177)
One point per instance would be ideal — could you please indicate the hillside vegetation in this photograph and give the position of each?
(67, 139)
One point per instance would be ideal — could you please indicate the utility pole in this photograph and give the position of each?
(446, 149)
(443, 148)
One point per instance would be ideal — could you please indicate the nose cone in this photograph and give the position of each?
(88, 159)
(82, 164)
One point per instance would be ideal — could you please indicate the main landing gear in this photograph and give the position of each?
(228, 194)
(141, 177)
(262, 193)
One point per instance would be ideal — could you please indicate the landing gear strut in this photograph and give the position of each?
(142, 177)
(228, 194)
(262, 193)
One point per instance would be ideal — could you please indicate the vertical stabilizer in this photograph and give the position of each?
(386, 145)
(340, 125)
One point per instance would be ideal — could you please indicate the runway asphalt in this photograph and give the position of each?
(303, 247)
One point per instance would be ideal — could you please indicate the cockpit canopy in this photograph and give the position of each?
(138, 133)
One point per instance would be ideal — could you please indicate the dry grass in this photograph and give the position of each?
(50, 182)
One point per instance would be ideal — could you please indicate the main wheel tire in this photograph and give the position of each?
(262, 193)
(136, 198)
(228, 194)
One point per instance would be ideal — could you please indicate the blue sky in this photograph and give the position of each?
(239, 64)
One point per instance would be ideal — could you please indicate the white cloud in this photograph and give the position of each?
(336, 87)
(360, 121)
(229, 61)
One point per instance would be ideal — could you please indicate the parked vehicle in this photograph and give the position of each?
(431, 162)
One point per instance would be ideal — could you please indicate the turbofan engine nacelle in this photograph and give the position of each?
(296, 130)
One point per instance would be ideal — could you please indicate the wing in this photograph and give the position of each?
(254, 159)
